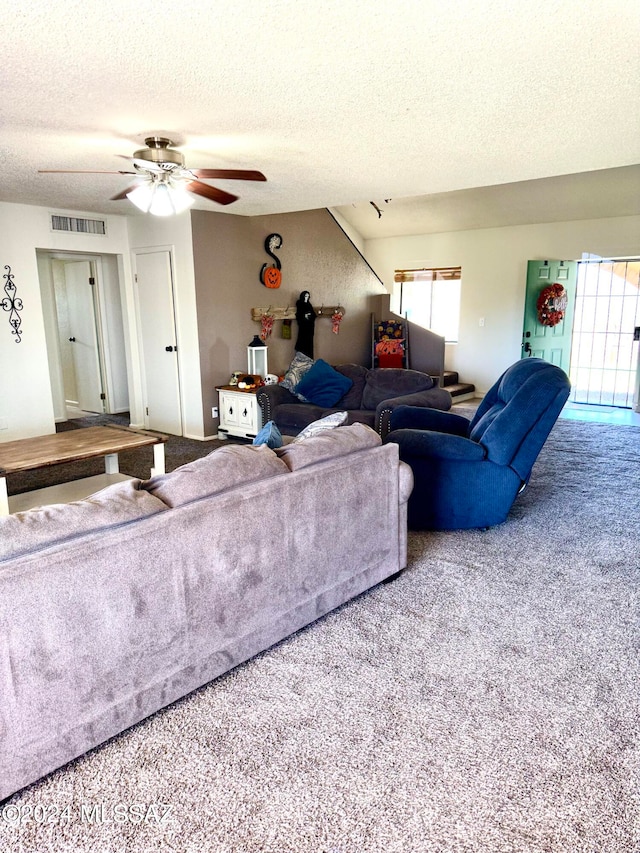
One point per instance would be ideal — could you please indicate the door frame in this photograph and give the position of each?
(94, 274)
(635, 402)
(590, 259)
(148, 250)
(46, 256)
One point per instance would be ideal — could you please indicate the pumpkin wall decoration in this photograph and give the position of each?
(551, 305)
(271, 276)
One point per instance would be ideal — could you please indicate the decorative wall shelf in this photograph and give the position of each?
(329, 310)
(289, 313)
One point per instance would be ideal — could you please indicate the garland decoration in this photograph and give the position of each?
(266, 326)
(336, 319)
(551, 305)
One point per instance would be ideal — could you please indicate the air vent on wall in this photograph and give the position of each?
(78, 225)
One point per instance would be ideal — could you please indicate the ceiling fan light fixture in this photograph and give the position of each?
(160, 197)
(163, 186)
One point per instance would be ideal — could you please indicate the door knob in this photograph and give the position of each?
(527, 347)
(171, 349)
(73, 340)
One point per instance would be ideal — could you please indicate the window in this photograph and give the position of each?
(431, 298)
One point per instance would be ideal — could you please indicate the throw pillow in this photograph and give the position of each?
(322, 385)
(335, 419)
(299, 366)
(390, 347)
(269, 435)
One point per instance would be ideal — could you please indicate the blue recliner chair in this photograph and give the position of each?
(468, 473)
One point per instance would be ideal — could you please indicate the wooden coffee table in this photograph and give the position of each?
(71, 446)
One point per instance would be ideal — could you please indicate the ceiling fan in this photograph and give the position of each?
(165, 182)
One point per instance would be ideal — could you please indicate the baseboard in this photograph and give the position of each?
(200, 437)
(461, 398)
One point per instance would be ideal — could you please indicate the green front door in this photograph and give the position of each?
(551, 342)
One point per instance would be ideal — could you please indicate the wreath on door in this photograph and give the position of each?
(551, 305)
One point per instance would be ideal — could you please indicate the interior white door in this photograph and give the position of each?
(83, 335)
(156, 320)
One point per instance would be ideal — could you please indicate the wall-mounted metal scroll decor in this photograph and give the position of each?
(271, 276)
(12, 303)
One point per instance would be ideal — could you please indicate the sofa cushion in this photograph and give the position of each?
(387, 382)
(322, 385)
(299, 366)
(329, 444)
(358, 375)
(47, 525)
(220, 470)
(330, 421)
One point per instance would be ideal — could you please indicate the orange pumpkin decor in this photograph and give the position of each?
(271, 276)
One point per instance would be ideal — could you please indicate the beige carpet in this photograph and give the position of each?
(485, 702)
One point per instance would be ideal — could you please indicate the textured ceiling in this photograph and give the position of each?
(337, 102)
(588, 195)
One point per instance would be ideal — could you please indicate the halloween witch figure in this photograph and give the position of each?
(306, 318)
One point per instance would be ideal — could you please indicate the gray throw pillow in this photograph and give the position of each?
(300, 365)
(335, 419)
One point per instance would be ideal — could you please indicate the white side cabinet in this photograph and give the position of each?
(240, 414)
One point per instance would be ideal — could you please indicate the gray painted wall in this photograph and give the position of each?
(316, 255)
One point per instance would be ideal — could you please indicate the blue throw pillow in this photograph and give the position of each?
(322, 385)
(269, 435)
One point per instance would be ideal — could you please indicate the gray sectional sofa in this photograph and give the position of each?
(113, 607)
(375, 393)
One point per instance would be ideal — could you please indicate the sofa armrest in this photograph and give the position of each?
(432, 398)
(418, 417)
(405, 482)
(271, 396)
(440, 445)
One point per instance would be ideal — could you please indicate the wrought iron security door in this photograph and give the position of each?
(604, 354)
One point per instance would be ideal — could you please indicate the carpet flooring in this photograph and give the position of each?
(487, 701)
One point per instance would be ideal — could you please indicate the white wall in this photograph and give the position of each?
(494, 272)
(147, 232)
(26, 404)
(356, 238)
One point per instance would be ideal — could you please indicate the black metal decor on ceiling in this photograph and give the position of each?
(12, 303)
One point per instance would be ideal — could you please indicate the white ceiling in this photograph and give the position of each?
(336, 101)
(588, 195)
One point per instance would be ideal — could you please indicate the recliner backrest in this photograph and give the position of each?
(518, 412)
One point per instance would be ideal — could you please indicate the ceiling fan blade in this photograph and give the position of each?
(124, 193)
(212, 193)
(83, 172)
(229, 174)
